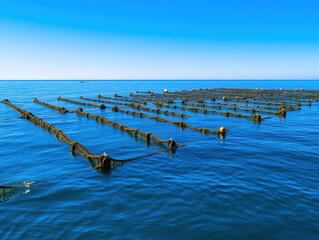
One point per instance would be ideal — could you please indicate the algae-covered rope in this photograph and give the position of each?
(136, 106)
(59, 134)
(95, 160)
(179, 124)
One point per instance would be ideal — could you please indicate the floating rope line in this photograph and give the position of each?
(102, 106)
(263, 100)
(127, 99)
(60, 109)
(234, 108)
(206, 111)
(179, 124)
(245, 107)
(102, 162)
(137, 133)
(136, 106)
(255, 118)
(237, 94)
(7, 192)
(196, 110)
(160, 104)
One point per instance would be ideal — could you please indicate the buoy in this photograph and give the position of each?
(171, 143)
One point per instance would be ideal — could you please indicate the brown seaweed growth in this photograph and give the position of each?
(60, 109)
(115, 109)
(158, 104)
(282, 112)
(63, 110)
(132, 105)
(74, 146)
(104, 163)
(79, 110)
(102, 106)
(184, 101)
(257, 118)
(148, 138)
(7, 192)
(222, 132)
(181, 124)
(172, 144)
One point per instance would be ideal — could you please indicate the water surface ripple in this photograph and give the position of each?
(261, 182)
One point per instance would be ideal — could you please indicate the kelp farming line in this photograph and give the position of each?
(232, 107)
(180, 124)
(7, 192)
(132, 131)
(197, 98)
(101, 106)
(201, 103)
(255, 118)
(235, 94)
(100, 162)
(226, 104)
(59, 134)
(60, 109)
(241, 107)
(126, 99)
(136, 106)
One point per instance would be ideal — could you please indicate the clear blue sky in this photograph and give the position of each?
(163, 39)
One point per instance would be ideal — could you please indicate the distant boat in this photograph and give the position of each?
(82, 81)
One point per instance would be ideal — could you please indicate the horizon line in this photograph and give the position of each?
(275, 79)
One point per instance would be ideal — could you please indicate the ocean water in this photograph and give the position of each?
(260, 182)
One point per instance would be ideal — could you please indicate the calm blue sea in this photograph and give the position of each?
(261, 182)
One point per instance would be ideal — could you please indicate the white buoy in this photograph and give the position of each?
(165, 91)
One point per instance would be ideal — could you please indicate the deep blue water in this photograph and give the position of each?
(261, 182)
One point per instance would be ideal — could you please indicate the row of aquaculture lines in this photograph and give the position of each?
(206, 101)
(249, 96)
(104, 162)
(237, 95)
(100, 162)
(180, 124)
(199, 109)
(245, 100)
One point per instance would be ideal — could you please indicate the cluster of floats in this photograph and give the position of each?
(250, 104)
